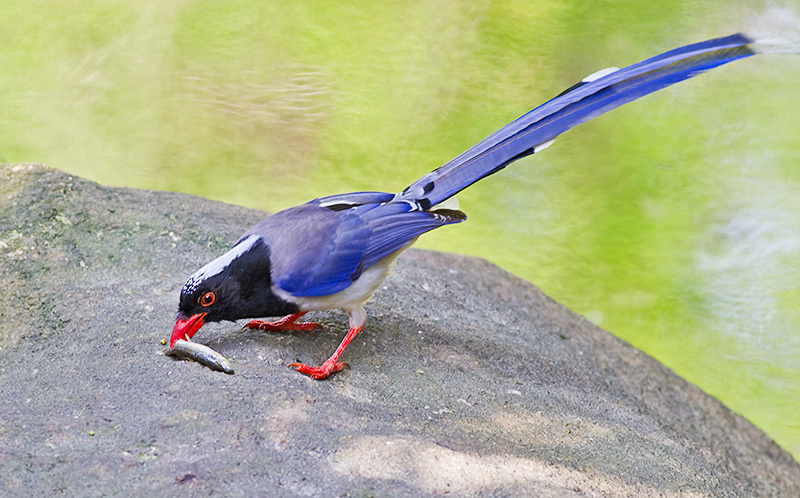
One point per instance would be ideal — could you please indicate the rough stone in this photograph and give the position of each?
(466, 380)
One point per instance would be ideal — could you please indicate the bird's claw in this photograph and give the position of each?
(320, 372)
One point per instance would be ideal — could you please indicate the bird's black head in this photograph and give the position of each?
(235, 285)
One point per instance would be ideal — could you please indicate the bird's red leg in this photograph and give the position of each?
(285, 323)
(358, 318)
(330, 366)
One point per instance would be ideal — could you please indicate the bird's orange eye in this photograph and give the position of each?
(207, 299)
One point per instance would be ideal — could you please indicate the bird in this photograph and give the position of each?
(334, 252)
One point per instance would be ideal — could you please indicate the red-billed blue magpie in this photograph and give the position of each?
(334, 252)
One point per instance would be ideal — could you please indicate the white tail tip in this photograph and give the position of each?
(776, 31)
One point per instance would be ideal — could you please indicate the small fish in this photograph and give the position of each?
(201, 354)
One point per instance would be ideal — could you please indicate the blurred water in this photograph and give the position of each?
(673, 221)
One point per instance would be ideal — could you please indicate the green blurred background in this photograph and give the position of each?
(673, 222)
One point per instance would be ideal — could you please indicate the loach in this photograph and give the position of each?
(201, 354)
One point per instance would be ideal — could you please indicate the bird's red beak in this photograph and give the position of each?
(185, 327)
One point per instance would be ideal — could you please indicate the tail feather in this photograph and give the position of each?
(594, 95)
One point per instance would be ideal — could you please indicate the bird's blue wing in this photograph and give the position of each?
(360, 238)
(326, 264)
(394, 226)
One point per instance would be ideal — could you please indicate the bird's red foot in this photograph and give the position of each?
(320, 372)
(285, 323)
(331, 365)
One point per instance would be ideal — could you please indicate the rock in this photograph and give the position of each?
(465, 381)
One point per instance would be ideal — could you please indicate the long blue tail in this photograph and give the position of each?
(595, 95)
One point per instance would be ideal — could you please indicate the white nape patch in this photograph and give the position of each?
(543, 146)
(599, 74)
(218, 265)
(776, 31)
(449, 203)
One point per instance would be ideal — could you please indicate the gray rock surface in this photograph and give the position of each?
(466, 380)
